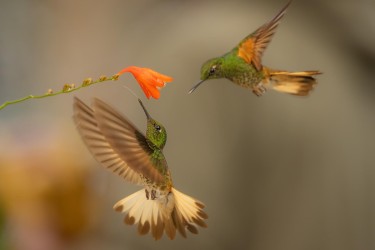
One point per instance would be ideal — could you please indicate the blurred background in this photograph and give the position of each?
(276, 172)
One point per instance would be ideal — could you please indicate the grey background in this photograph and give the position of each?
(276, 172)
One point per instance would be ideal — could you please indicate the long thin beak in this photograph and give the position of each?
(196, 86)
(144, 109)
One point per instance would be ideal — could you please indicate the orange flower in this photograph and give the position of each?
(149, 80)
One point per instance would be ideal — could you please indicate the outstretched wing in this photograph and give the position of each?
(97, 143)
(128, 142)
(252, 47)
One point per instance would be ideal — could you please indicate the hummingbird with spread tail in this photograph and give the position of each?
(243, 66)
(120, 147)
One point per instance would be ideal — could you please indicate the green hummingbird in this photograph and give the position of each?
(242, 65)
(120, 147)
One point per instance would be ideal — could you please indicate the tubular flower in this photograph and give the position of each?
(149, 80)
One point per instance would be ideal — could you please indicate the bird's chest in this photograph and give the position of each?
(246, 79)
(163, 187)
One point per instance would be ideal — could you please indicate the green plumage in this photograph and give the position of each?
(242, 65)
(156, 137)
(232, 67)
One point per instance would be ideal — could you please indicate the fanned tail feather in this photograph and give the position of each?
(166, 213)
(188, 213)
(295, 83)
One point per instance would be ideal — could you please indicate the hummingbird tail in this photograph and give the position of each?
(188, 213)
(295, 83)
(158, 212)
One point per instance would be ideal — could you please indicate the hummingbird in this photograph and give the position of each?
(120, 147)
(243, 65)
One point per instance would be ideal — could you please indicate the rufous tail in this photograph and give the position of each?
(295, 83)
(163, 213)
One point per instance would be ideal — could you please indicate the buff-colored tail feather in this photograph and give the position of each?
(295, 83)
(168, 213)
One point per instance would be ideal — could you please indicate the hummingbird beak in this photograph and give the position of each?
(196, 86)
(144, 109)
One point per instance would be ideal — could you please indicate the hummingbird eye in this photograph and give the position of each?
(157, 127)
(212, 69)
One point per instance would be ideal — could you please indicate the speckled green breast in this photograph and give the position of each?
(240, 72)
(247, 79)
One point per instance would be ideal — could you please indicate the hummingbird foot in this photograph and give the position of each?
(150, 194)
(259, 89)
(147, 194)
(153, 194)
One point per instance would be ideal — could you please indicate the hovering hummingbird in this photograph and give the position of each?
(120, 147)
(243, 66)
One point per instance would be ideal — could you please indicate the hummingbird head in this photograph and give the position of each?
(156, 132)
(210, 70)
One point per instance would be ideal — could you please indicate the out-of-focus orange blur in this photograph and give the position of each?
(45, 193)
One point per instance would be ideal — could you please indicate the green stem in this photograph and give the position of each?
(66, 89)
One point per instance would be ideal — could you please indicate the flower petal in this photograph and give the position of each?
(155, 93)
(149, 80)
(145, 90)
(157, 75)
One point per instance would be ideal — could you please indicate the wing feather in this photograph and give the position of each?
(252, 47)
(97, 144)
(130, 144)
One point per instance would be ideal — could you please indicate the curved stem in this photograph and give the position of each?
(67, 88)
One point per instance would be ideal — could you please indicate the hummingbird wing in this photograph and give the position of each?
(97, 144)
(129, 143)
(252, 47)
(87, 123)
